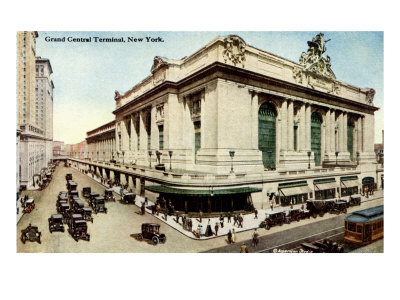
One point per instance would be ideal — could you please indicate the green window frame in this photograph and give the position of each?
(161, 137)
(197, 139)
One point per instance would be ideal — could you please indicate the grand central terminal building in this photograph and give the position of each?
(232, 128)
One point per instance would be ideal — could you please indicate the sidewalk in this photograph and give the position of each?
(249, 221)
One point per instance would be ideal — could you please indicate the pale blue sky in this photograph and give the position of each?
(87, 74)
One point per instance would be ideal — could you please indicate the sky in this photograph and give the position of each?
(86, 75)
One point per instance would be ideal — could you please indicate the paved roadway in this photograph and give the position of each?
(112, 232)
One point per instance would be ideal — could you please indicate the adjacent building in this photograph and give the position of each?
(232, 127)
(34, 111)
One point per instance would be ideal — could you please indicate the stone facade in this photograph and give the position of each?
(231, 115)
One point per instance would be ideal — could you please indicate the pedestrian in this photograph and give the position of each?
(229, 217)
(291, 204)
(240, 221)
(233, 236)
(272, 206)
(158, 208)
(201, 229)
(216, 228)
(255, 213)
(229, 237)
(234, 220)
(243, 248)
(201, 216)
(221, 220)
(165, 215)
(121, 190)
(198, 231)
(255, 238)
(190, 224)
(143, 208)
(153, 209)
(302, 207)
(177, 218)
(146, 200)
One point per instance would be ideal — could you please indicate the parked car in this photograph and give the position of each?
(62, 195)
(77, 205)
(353, 201)
(56, 223)
(339, 207)
(29, 205)
(73, 194)
(128, 198)
(294, 215)
(64, 210)
(72, 186)
(31, 233)
(78, 229)
(108, 195)
(151, 231)
(86, 191)
(93, 195)
(98, 205)
(319, 207)
(87, 214)
(68, 176)
(273, 219)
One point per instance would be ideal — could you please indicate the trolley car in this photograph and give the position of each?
(364, 226)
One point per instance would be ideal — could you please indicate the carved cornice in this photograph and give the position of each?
(235, 49)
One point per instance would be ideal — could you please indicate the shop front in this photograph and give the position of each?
(291, 193)
(349, 186)
(209, 201)
(368, 186)
(325, 188)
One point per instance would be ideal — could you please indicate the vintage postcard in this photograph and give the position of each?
(217, 142)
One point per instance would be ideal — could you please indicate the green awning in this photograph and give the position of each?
(169, 190)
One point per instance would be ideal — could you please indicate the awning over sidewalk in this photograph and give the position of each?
(298, 190)
(169, 190)
(351, 183)
(326, 186)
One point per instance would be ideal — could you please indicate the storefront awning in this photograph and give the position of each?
(351, 183)
(190, 192)
(298, 190)
(326, 186)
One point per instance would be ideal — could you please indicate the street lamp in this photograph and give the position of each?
(170, 152)
(336, 154)
(232, 154)
(309, 155)
(150, 154)
(358, 158)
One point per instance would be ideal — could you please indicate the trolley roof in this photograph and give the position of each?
(366, 215)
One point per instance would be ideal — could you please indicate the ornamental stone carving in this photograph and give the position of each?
(158, 63)
(235, 49)
(370, 94)
(313, 60)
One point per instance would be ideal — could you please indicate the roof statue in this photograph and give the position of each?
(314, 61)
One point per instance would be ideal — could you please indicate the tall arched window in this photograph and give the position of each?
(350, 138)
(316, 121)
(267, 134)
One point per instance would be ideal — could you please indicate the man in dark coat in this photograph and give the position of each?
(221, 220)
(230, 237)
(216, 228)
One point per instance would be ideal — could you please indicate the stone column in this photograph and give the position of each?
(254, 126)
(302, 128)
(308, 127)
(290, 126)
(143, 131)
(284, 125)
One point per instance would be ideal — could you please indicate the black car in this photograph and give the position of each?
(151, 231)
(31, 233)
(93, 195)
(128, 198)
(78, 229)
(68, 176)
(64, 210)
(86, 191)
(87, 214)
(72, 186)
(273, 219)
(108, 195)
(62, 195)
(73, 194)
(77, 205)
(98, 205)
(339, 207)
(56, 223)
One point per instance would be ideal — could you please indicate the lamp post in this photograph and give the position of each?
(358, 158)
(309, 156)
(336, 154)
(150, 154)
(232, 154)
(170, 152)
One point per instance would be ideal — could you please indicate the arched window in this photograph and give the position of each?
(316, 121)
(267, 134)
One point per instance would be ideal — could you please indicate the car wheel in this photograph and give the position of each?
(321, 214)
(267, 227)
(345, 210)
(314, 215)
(140, 237)
(155, 240)
(23, 239)
(164, 240)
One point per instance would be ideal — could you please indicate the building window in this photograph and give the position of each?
(295, 138)
(119, 140)
(197, 138)
(161, 137)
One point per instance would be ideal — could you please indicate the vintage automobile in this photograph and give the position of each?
(151, 231)
(273, 219)
(93, 195)
(326, 246)
(319, 207)
(77, 205)
(87, 214)
(294, 215)
(73, 194)
(78, 229)
(129, 198)
(29, 205)
(339, 207)
(98, 205)
(72, 186)
(62, 196)
(68, 176)
(31, 233)
(86, 191)
(56, 223)
(108, 195)
(64, 210)
(353, 201)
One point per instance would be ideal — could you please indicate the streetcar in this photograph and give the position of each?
(364, 226)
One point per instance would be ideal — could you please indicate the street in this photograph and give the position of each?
(112, 232)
